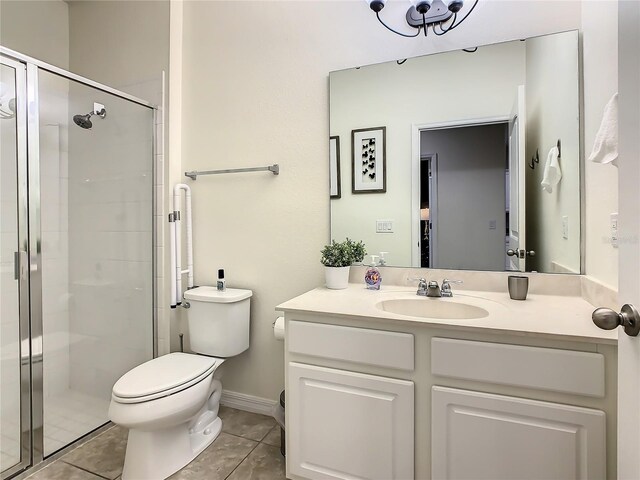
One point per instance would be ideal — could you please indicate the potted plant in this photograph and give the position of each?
(337, 257)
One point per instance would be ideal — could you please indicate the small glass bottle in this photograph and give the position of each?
(372, 277)
(220, 284)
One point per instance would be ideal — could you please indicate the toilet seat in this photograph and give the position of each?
(163, 376)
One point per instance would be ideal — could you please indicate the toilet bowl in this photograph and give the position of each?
(170, 404)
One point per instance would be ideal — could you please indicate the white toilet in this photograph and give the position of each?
(170, 404)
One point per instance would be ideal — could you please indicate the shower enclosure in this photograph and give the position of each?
(76, 253)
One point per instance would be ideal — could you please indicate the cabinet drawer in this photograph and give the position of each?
(556, 370)
(358, 345)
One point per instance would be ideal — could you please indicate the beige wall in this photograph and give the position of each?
(600, 60)
(123, 44)
(552, 111)
(254, 95)
(38, 28)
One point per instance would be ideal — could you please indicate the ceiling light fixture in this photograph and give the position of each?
(440, 15)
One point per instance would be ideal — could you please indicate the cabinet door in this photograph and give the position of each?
(482, 436)
(348, 425)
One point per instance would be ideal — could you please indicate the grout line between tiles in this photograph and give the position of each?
(83, 469)
(242, 461)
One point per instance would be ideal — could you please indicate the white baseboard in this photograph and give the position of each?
(248, 403)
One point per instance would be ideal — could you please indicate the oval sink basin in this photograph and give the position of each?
(432, 308)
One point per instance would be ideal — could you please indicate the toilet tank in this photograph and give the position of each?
(218, 320)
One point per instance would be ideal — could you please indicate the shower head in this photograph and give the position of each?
(84, 121)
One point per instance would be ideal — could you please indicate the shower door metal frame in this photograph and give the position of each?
(23, 276)
(32, 364)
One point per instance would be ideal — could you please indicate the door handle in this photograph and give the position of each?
(20, 265)
(608, 319)
(521, 253)
(16, 265)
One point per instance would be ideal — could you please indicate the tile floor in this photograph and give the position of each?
(70, 415)
(248, 448)
(67, 416)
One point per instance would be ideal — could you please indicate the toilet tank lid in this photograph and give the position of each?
(212, 294)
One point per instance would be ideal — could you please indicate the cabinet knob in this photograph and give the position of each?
(608, 319)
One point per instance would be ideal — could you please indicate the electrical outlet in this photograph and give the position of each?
(565, 227)
(384, 226)
(614, 230)
(493, 224)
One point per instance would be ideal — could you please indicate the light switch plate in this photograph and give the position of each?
(492, 225)
(614, 230)
(384, 226)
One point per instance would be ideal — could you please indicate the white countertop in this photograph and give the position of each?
(555, 316)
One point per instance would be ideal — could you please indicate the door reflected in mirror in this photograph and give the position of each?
(482, 157)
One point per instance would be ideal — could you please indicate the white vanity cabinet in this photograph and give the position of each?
(499, 437)
(375, 399)
(342, 423)
(349, 425)
(494, 437)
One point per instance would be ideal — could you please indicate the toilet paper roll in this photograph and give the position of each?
(278, 328)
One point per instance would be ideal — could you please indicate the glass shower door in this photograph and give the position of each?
(96, 213)
(14, 306)
(76, 254)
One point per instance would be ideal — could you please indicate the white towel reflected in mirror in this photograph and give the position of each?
(552, 170)
(605, 146)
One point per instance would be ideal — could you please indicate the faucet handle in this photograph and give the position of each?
(446, 287)
(422, 283)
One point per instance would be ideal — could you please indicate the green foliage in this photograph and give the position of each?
(342, 254)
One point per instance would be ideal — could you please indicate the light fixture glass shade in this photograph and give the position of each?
(424, 213)
(422, 6)
(376, 5)
(453, 5)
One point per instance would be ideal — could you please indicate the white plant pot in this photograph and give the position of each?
(336, 278)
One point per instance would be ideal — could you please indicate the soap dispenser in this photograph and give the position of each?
(372, 278)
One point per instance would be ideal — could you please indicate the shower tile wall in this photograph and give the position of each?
(111, 218)
(154, 90)
(54, 206)
(97, 253)
(55, 248)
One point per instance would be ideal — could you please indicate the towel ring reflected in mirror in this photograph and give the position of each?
(536, 158)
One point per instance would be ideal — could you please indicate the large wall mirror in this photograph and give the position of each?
(462, 160)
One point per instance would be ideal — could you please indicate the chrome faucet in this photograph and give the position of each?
(428, 289)
(446, 287)
(432, 289)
